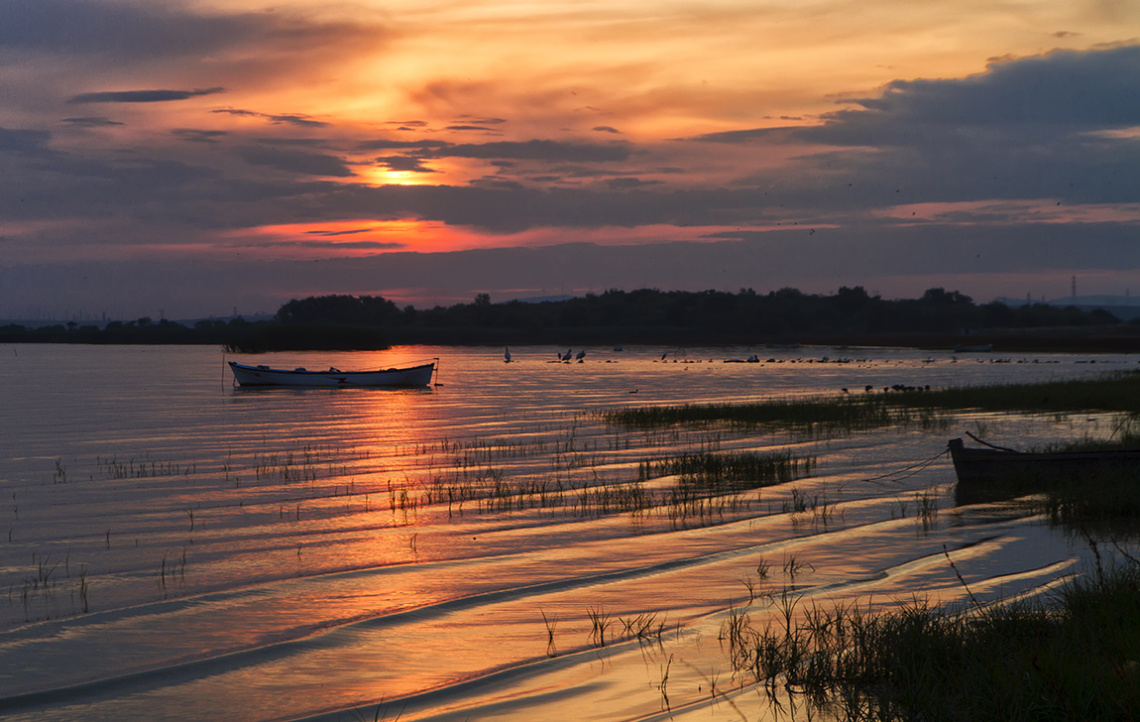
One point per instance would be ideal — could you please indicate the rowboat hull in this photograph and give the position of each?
(396, 377)
(974, 466)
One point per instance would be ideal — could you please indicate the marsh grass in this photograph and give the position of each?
(551, 624)
(1109, 501)
(1074, 656)
(697, 487)
(849, 413)
(600, 623)
(926, 408)
(732, 472)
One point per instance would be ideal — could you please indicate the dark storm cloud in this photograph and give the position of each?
(501, 154)
(737, 136)
(143, 31)
(1052, 95)
(141, 96)
(199, 136)
(1030, 128)
(303, 121)
(1089, 90)
(402, 144)
(297, 142)
(480, 120)
(543, 150)
(404, 163)
(299, 162)
(339, 246)
(23, 141)
(91, 122)
(1057, 98)
(627, 182)
(352, 232)
(300, 120)
(123, 28)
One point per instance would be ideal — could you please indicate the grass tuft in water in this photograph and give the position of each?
(730, 472)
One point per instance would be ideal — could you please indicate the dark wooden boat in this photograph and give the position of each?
(997, 464)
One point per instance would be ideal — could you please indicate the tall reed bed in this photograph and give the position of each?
(1071, 657)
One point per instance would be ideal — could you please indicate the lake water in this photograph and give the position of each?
(173, 546)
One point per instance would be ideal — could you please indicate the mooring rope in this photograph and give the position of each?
(896, 476)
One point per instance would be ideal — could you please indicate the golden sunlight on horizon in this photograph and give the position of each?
(358, 238)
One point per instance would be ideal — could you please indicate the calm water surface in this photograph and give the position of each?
(172, 546)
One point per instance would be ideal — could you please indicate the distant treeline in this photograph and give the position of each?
(664, 316)
(643, 316)
(235, 335)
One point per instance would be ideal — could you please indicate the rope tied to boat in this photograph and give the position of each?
(906, 473)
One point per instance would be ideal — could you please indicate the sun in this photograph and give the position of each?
(380, 176)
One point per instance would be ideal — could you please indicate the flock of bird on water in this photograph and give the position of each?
(580, 357)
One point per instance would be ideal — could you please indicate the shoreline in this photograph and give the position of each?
(1124, 338)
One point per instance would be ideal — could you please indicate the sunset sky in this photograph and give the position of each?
(185, 158)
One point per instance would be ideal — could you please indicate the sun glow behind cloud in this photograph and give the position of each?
(380, 176)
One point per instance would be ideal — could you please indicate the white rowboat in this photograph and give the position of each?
(266, 376)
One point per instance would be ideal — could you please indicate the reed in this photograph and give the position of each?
(83, 588)
(926, 508)
(551, 623)
(663, 686)
(643, 627)
(600, 623)
(1109, 499)
(699, 485)
(1073, 656)
(723, 473)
